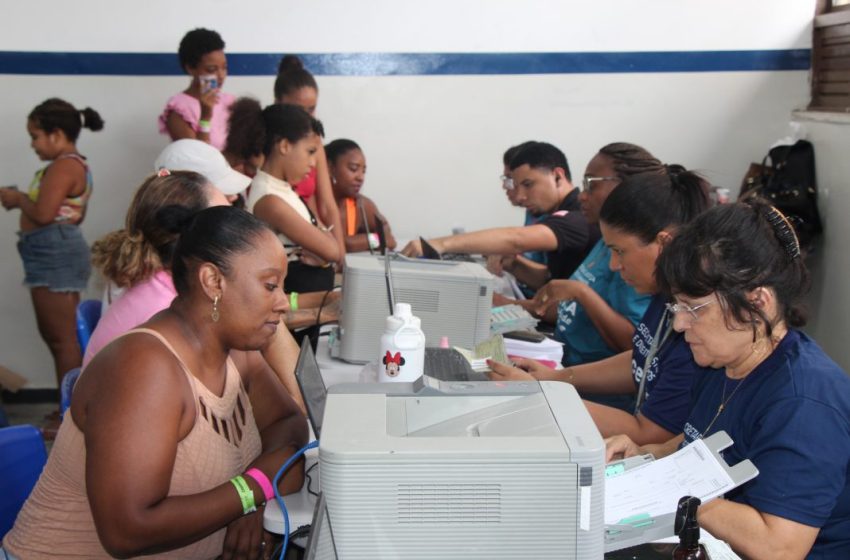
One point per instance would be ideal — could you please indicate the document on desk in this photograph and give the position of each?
(655, 489)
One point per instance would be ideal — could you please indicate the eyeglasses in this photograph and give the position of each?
(588, 180)
(675, 308)
(507, 182)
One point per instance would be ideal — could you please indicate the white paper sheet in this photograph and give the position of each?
(656, 488)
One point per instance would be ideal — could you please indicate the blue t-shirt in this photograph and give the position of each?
(671, 373)
(582, 342)
(530, 220)
(791, 417)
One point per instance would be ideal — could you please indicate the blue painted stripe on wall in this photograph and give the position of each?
(413, 64)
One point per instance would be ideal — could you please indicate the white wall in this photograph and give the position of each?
(433, 143)
(829, 302)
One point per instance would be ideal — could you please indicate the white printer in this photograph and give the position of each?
(435, 469)
(452, 298)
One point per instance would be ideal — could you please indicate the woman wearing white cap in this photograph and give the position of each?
(200, 157)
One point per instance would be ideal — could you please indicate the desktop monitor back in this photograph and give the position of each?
(452, 299)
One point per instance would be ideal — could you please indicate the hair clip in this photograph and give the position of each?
(163, 172)
(784, 231)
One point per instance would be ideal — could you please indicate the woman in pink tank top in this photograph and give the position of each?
(175, 429)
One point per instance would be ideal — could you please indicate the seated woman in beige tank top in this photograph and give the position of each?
(167, 416)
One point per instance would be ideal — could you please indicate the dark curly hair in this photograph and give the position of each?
(195, 44)
(731, 250)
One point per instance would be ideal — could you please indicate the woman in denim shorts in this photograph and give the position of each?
(54, 253)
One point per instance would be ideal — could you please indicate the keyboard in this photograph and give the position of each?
(510, 318)
(447, 364)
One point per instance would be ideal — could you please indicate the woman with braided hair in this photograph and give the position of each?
(737, 279)
(595, 312)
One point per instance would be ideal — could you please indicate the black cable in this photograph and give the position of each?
(302, 531)
(310, 480)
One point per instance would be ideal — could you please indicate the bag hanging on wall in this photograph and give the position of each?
(788, 182)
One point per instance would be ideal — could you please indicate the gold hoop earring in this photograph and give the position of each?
(215, 314)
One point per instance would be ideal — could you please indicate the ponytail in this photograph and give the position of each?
(646, 204)
(145, 246)
(292, 76)
(57, 114)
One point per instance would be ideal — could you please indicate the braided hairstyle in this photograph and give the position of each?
(733, 249)
(631, 159)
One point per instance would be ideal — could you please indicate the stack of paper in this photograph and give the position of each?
(547, 351)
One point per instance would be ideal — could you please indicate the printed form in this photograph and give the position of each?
(655, 488)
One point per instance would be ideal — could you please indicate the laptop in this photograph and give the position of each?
(312, 386)
(320, 542)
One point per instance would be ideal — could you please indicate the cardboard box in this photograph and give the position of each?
(11, 381)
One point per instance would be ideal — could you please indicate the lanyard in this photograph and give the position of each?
(657, 341)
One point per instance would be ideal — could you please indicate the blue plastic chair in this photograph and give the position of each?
(66, 389)
(22, 458)
(88, 314)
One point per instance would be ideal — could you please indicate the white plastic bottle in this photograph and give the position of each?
(402, 355)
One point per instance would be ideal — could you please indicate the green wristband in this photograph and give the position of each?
(246, 495)
(293, 301)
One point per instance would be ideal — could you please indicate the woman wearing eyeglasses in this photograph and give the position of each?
(737, 278)
(637, 220)
(595, 311)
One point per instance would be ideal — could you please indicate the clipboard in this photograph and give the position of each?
(643, 528)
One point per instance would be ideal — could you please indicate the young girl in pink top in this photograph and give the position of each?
(201, 110)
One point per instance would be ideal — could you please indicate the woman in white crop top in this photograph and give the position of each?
(291, 138)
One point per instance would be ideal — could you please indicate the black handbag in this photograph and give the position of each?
(789, 184)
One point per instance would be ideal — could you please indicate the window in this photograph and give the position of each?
(831, 57)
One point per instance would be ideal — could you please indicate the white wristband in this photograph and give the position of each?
(374, 240)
